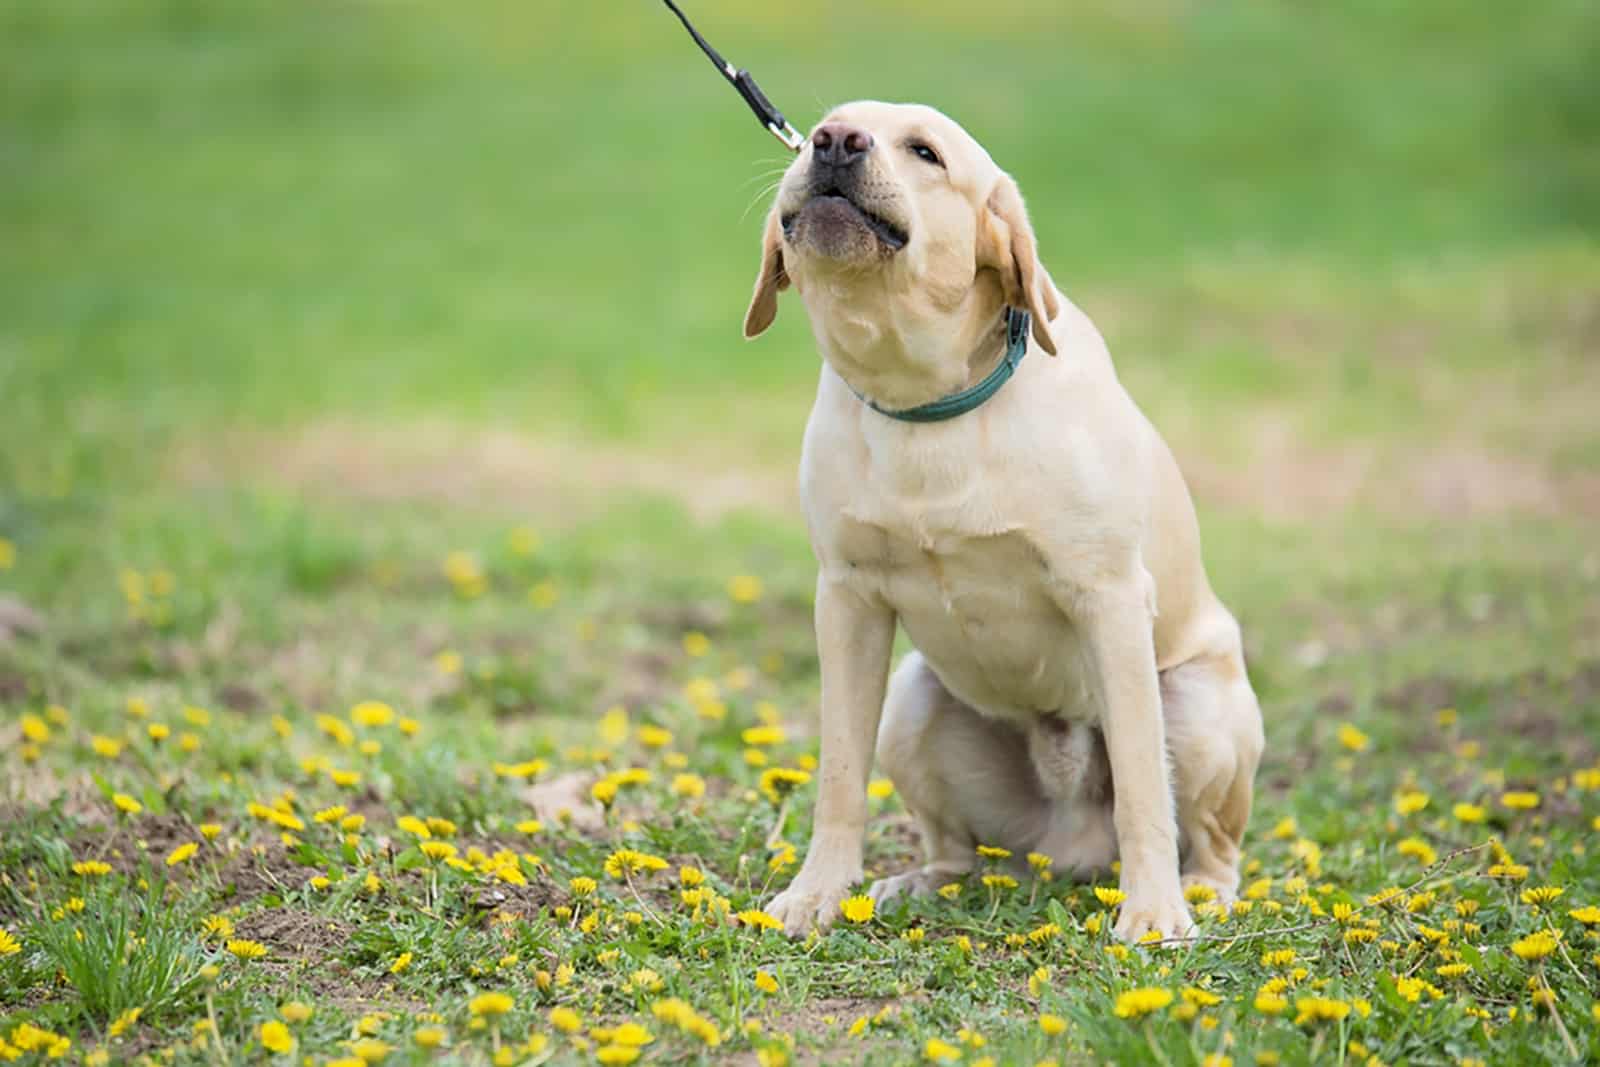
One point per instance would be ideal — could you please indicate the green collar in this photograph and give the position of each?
(948, 407)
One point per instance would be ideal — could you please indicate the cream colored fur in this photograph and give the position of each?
(1076, 688)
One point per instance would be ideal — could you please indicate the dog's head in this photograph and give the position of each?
(899, 195)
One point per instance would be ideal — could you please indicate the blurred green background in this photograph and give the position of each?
(543, 216)
(267, 269)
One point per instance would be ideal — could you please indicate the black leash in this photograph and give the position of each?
(769, 116)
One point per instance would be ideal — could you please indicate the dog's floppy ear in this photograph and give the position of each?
(770, 281)
(1006, 245)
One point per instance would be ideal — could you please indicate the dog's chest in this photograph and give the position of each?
(978, 595)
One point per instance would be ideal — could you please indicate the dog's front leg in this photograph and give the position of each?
(1120, 625)
(855, 637)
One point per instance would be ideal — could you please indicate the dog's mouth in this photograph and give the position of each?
(832, 201)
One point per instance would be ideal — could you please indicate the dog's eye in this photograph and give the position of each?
(924, 153)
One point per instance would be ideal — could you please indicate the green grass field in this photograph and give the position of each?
(379, 456)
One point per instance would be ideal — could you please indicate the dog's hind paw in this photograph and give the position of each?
(912, 883)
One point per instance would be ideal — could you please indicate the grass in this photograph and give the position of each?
(386, 357)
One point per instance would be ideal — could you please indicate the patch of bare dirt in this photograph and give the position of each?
(448, 464)
(247, 876)
(133, 845)
(1285, 478)
(293, 933)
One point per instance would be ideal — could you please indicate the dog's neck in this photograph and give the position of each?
(901, 354)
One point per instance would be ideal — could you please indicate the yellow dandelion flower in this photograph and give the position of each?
(490, 1004)
(401, 962)
(779, 782)
(370, 1050)
(1519, 800)
(937, 1051)
(35, 729)
(1418, 849)
(744, 589)
(1352, 738)
(993, 852)
(275, 1037)
(336, 729)
(950, 890)
(566, 1020)
(999, 881)
(759, 919)
(1271, 1003)
(429, 1037)
(615, 1055)
(295, 1011)
(1311, 1010)
(765, 982)
(1536, 946)
(1512, 872)
(1109, 896)
(857, 909)
(182, 853)
(626, 861)
(652, 736)
(121, 1024)
(1469, 813)
(1138, 1002)
(689, 786)
(526, 769)
(1410, 802)
(880, 789)
(246, 950)
(158, 731)
(763, 736)
(1052, 1025)
(437, 850)
(1589, 915)
(1540, 895)
(9, 945)
(605, 791)
(91, 868)
(125, 803)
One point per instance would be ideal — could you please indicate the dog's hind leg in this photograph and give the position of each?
(966, 779)
(1214, 735)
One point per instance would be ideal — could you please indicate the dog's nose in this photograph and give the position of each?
(839, 144)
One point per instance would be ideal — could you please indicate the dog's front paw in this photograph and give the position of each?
(810, 902)
(1165, 914)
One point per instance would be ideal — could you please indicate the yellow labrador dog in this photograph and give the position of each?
(1077, 689)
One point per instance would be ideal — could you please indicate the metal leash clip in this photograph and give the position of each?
(741, 80)
(792, 138)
